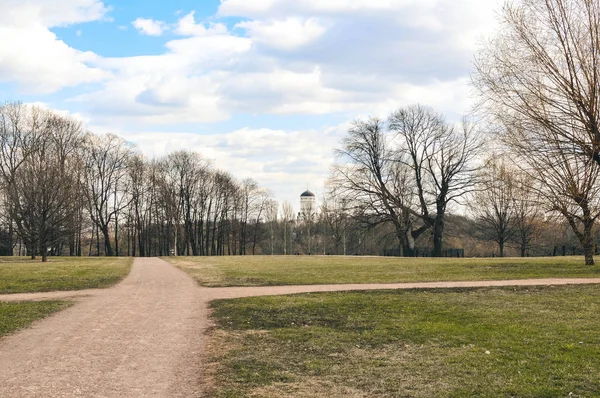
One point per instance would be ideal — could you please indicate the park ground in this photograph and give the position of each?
(22, 275)
(528, 341)
(521, 341)
(313, 270)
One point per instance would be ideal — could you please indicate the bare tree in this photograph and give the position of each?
(442, 158)
(567, 182)
(287, 213)
(334, 211)
(377, 182)
(271, 208)
(527, 213)
(543, 69)
(40, 177)
(494, 203)
(539, 83)
(106, 171)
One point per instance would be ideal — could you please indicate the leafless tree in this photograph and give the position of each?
(381, 187)
(443, 159)
(107, 159)
(271, 208)
(287, 213)
(494, 204)
(40, 175)
(543, 69)
(334, 212)
(539, 83)
(527, 214)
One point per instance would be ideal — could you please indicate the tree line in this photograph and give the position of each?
(67, 190)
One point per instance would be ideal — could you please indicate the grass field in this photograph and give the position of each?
(21, 275)
(501, 342)
(14, 316)
(303, 270)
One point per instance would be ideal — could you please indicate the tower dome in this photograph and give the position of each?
(307, 194)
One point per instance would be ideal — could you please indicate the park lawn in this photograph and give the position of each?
(503, 342)
(15, 316)
(306, 270)
(22, 275)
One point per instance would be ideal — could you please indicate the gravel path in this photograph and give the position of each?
(142, 338)
(238, 292)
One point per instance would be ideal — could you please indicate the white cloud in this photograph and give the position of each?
(187, 26)
(286, 34)
(34, 57)
(264, 8)
(149, 27)
(22, 14)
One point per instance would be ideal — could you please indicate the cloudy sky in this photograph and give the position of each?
(265, 88)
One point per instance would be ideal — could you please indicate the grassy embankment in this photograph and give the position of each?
(21, 275)
(15, 316)
(501, 342)
(296, 270)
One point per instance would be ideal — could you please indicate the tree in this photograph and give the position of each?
(542, 69)
(526, 213)
(539, 83)
(373, 177)
(107, 159)
(494, 203)
(287, 214)
(334, 211)
(442, 158)
(38, 168)
(271, 208)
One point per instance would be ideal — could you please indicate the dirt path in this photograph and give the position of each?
(238, 292)
(142, 338)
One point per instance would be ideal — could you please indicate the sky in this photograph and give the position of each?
(264, 89)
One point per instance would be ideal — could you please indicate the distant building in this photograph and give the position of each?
(307, 204)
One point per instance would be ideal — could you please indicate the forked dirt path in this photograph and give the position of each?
(144, 337)
(141, 338)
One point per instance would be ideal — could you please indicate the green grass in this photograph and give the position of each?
(21, 275)
(500, 342)
(15, 316)
(301, 270)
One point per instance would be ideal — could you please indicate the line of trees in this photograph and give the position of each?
(69, 190)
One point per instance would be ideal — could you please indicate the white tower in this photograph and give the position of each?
(307, 204)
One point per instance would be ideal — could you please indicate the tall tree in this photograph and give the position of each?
(494, 203)
(107, 159)
(371, 174)
(287, 218)
(539, 83)
(442, 158)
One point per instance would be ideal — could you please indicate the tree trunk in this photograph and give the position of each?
(108, 250)
(588, 243)
(589, 254)
(438, 235)
(501, 246)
